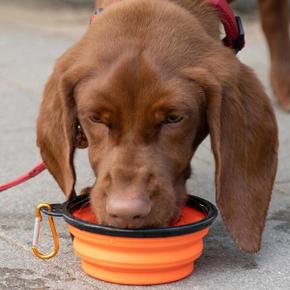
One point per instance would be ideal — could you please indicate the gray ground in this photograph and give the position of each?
(30, 42)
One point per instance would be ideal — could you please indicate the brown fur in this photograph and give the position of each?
(122, 80)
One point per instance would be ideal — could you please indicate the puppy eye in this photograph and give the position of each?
(172, 119)
(96, 119)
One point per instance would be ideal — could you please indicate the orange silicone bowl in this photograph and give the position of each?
(139, 256)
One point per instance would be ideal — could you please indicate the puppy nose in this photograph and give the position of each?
(127, 212)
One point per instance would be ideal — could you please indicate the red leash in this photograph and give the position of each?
(31, 173)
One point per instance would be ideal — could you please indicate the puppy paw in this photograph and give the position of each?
(280, 80)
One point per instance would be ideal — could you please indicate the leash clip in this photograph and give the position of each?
(36, 232)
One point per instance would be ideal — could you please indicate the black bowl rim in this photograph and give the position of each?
(196, 202)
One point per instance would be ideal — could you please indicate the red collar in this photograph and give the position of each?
(235, 37)
(233, 27)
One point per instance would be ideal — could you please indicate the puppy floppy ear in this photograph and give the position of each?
(244, 140)
(57, 127)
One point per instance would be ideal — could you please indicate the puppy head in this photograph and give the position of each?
(140, 130)
(142, 117)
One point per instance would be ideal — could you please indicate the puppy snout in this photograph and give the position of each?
(128, 213)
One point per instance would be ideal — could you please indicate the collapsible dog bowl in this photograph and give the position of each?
(137, 256)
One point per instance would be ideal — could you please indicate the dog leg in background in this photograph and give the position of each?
(275, 23)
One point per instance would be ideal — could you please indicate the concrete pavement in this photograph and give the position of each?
(30, 42)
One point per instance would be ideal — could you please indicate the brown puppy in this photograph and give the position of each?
(147, 83)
